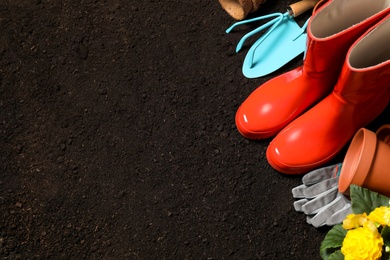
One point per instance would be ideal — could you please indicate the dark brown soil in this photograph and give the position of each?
(117, 137)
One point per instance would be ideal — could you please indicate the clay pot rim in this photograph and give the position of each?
(358, 160)
(383, 133)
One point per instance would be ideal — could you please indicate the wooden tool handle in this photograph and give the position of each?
(301, 7)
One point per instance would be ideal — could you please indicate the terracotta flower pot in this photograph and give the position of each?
(239, 9)
(367, 162)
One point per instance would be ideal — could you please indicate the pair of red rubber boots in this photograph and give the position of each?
(343, 84)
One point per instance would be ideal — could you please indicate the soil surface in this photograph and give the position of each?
(118, 141)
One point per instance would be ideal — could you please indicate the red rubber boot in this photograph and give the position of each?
(331, 31)
(362, 92)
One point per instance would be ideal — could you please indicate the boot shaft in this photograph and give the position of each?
(333, 29)
(366, 72)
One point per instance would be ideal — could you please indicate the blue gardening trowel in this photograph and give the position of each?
(281, 43)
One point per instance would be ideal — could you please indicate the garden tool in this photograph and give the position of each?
(239, 9)
(293, 11)
(361, 93)
(276, 103)
(367, 161)
(320, 199)
(281, 43)
(323, 196)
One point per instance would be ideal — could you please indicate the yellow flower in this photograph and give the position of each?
(362, 243)
(354, 221)
(381, 215)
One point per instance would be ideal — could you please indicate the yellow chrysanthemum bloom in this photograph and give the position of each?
(381, 215)
(362, 243)
(354, 221)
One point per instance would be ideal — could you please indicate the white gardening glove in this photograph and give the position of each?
(320, 199)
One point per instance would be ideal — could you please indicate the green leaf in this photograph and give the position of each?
(385, 255)
(364, 200)
(337, 255)
(332, 241)
(385, 233)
